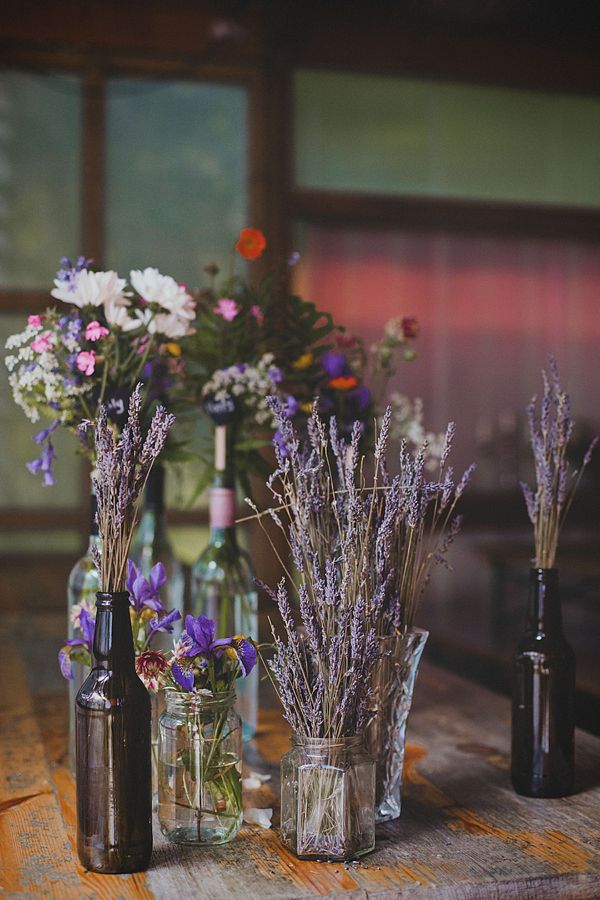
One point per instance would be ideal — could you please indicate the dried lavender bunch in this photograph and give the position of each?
(362, 554)
(123, 465)
(550, 433)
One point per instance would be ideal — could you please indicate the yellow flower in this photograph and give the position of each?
(173, 348)
(303, 362)
(306, 407)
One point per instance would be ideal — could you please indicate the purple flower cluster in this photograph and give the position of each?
(205, 661)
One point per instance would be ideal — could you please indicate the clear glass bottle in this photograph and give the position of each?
(222, 583)
(82, 587)
(543, 707)
(328, 798)
(113, 773)
(200, 768)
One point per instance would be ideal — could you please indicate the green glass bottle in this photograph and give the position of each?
(222, 584)
(151, 545)
(82, 587)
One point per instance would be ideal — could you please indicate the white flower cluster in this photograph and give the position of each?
(250, 385)
(36, 379)
(169, 311)
(407, 424)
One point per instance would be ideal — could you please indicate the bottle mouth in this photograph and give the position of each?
(107, 598)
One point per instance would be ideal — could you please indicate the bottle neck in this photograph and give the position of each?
(113, 638)
(222, 492)
(222, 514)
(545, 615)
(154, 494)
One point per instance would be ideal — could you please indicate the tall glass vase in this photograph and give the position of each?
(394, 682)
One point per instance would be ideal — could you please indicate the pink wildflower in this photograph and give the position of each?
(86, 362)
(258, 314)
(226, 308)
(95, 331)
(42, 342)
(35, 321)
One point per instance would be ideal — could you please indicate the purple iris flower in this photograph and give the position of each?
(43, 464)
(201, 637)
(145, 592)
(183, 677)
(164, 623)
(246, 653)
(335, 364)
(87, 624)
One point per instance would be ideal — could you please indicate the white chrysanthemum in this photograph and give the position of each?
(154, 287)
(92, 289)
(170, 325)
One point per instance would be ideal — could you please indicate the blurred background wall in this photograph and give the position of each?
(435, 159)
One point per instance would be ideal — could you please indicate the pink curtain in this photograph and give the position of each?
(490, 309)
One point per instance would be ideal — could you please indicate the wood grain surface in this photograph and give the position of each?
(463, 832)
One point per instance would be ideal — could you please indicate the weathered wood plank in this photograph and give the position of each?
(463, 834)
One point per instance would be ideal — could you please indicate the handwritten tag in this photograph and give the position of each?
(221, 411)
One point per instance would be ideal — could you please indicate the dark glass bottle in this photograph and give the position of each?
(114, 789)
(223, 578)
(543, 710)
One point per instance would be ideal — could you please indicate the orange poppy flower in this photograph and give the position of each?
(343, 382)
(251, 243)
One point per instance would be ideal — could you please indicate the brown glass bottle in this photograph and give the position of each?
(113, 768)
(543, 709)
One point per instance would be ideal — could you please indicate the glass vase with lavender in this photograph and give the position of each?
(200, 736)
(325, 656)
(543, 704)
(416, 518)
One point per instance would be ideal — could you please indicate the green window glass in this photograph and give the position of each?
(39, 176)
(417, 137)
(176, 175)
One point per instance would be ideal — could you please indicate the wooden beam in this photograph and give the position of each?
(436, 214)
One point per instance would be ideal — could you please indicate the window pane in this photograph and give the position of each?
(490, 310)
(411, 136)
(39, 176)
(176, 175)
(18, 487)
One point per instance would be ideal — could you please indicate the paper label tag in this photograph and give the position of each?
(222, 507)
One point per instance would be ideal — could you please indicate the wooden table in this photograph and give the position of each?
(463, 832)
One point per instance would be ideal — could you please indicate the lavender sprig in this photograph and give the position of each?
(548, 505)
(123, 465)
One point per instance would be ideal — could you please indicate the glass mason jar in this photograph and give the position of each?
(328, 798)
(393, 682)
(200, 768)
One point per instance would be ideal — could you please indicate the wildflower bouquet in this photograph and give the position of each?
(251, 342)
(200, 790)
(70, 361)
(550, 432)
(148, 619)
